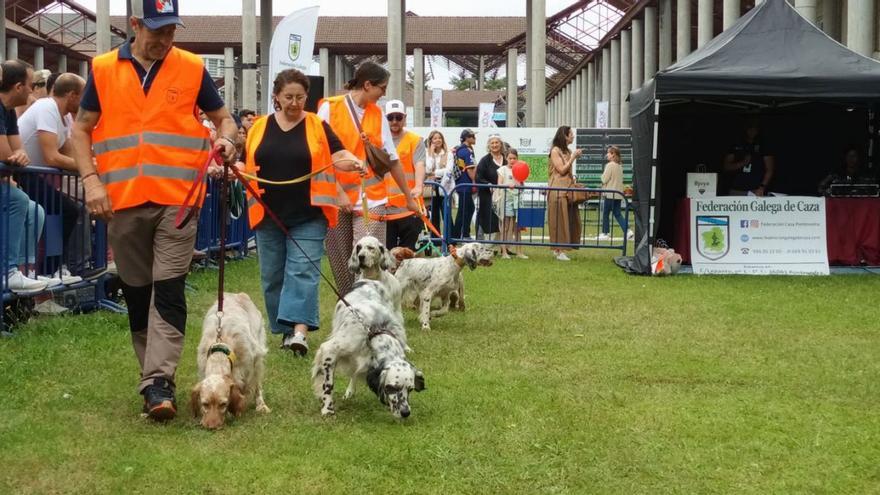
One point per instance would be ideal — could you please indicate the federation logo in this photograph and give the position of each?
(165, 6)
(294, 49)
(713, 236)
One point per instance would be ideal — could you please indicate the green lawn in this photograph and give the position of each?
(569, 378)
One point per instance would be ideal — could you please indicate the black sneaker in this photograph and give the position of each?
(159, 401)
(92, 273)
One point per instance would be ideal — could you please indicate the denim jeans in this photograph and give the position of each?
(23, 225)
(610, 205)
(461, 228)
(289, 280)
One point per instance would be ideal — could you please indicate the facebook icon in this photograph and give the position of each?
(744, 224)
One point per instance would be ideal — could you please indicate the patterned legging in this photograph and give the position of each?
(341, 239)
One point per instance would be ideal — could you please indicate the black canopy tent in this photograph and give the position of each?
(816, 93)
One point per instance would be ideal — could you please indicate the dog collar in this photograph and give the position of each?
(225, 350)
(376, 331)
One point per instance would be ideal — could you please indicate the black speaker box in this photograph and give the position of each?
(316, 92)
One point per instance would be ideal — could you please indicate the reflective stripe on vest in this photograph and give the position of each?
(148, 146)
(322, 187)
(346, 130)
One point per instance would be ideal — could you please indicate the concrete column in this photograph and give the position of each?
(129, 33)
(338, 68)
(528, 108)
(396, 49)
(512, 99)
(807, 9)
(12, 48)
(84, 69)
(625, 75)
(537, 17)
(577, 100)
(39, 58)
(638, 54)
(591, 94)
(683, 33)
(229, 77)
(481, 73)
(665, 40)
(650, 43)
(324, 63)
(731, 13)
(614, 107)
(102, 26)
(2, 33)
(606, 74)
(705, 31)
(249, 55)
(265, 44)
(62, 62)
(419, 87)
(860, 25)
(831, 18)
(585, 97)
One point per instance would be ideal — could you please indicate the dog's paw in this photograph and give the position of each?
(426, 326)
(347, 395)
(328, 412)
(263, 409)
(408, 350)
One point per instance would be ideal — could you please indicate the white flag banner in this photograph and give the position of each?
(486, 111)
(437, 108)
(602, 114)
(292, 45)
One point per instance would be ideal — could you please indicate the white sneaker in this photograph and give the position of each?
(66, 277)
(505, 256)
(50, 281)
(562, 257)
(50, 307)
(630, 235)
(603, 237)
(522, 256)
(18, 283)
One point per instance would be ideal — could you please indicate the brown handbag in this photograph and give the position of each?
(578, 197)
(377, 158)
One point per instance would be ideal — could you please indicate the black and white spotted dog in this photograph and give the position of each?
(367, 342)
(371, 260)
(423, 279)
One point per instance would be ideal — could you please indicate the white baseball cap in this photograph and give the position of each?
(395, 106)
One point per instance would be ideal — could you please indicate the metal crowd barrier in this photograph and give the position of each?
(71, 240)
(532, 213)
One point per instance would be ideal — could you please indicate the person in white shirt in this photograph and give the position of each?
(44, 130)
(438, 162)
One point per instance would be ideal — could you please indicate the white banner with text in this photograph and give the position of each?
(759, 236)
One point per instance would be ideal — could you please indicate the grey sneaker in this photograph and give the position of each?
(295, 342)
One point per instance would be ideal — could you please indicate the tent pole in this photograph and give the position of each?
(654, 161)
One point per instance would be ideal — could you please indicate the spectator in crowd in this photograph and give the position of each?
(40, 81)
(404, 226)
(751, 162)
(466, 173)
(50, 82)
(487, 173)
(18, 209)
(508, 203)
(612, 178)
(137, 112)
(286, 144)
(438, 162)
(850, 171)
(563, 215)
(364, 90)
(247, 118)
(44, 132)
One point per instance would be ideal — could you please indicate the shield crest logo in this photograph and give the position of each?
(294, 48)
(713, 236)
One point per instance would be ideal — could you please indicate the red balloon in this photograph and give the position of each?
(520, 171)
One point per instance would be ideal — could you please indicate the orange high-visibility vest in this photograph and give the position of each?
(346, 131)
(322, 188)
(406, 149)
(149, 147)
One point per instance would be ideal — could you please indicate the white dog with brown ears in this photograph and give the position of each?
(423, 279)
(230, 362)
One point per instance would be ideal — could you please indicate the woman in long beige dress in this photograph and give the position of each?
(563, 215)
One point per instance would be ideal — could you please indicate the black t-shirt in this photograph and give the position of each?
(8, 122)
(751, 176)
(283, 156)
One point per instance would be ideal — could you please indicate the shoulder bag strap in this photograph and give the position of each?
(353, 113)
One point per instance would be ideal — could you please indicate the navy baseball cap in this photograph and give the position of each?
(158, 13)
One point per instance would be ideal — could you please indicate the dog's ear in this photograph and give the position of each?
(236, 401)
(354, 264)
(470, 257)
(419, 381)
(375, 377)
(195, 400)
(388, 262)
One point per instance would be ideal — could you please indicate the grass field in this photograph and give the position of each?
(568, 378)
